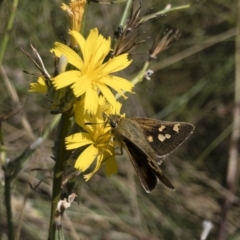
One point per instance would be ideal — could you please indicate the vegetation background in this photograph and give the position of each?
(195, 80)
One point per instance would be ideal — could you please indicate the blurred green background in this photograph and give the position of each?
(193, 81)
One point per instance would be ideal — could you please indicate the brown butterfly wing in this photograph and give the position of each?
(147, 170)
(163, 136)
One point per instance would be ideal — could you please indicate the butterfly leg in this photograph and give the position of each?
(121, 151)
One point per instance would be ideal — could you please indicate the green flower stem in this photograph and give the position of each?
(140, 74)
(164, 11)
(124, 18)
(7, 198)
(60, 155)
(126, 13)
(5, 38)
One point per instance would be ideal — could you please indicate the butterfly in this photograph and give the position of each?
(147, 142)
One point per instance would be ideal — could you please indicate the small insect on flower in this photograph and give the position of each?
(147, 142)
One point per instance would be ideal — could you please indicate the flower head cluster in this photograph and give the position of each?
(89, 78)
(92, 74)
(96, 137)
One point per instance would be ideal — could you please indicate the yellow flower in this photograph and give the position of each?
(75, 11)
(92, 74)
(97, 138)
(40, 86)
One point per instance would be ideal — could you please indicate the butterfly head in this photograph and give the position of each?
(112, 120)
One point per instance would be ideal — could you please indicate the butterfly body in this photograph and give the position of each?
(147, 141)
(128, 130)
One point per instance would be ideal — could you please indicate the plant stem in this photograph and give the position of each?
(7, 195)
(125, 13)
(234, 152)
(5, 38)
(164, 11)
(60, 155)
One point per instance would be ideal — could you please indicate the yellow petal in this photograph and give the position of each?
(118, 108)
(111, 166)
(78, 140)
(80, 39)
(118, 84)
(116, 64)
(79, 113)
(82, 118)
(65, 79)
(122, 83)
(72, 57)
(81, 85)
(42, 81)
(103, 106)
(91, 101)
(98, 165)
(90, 45)
(36, 87)
(40, 86)
(110, 161)
(86, 158)
(102, 49)
(107, 94)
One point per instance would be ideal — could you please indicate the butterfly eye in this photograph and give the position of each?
(112, 124)
(112, 121)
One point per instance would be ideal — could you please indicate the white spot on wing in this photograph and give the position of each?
(176, 127)
(161, 128)
(161, 137)
(167, 136)
(150, 139)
